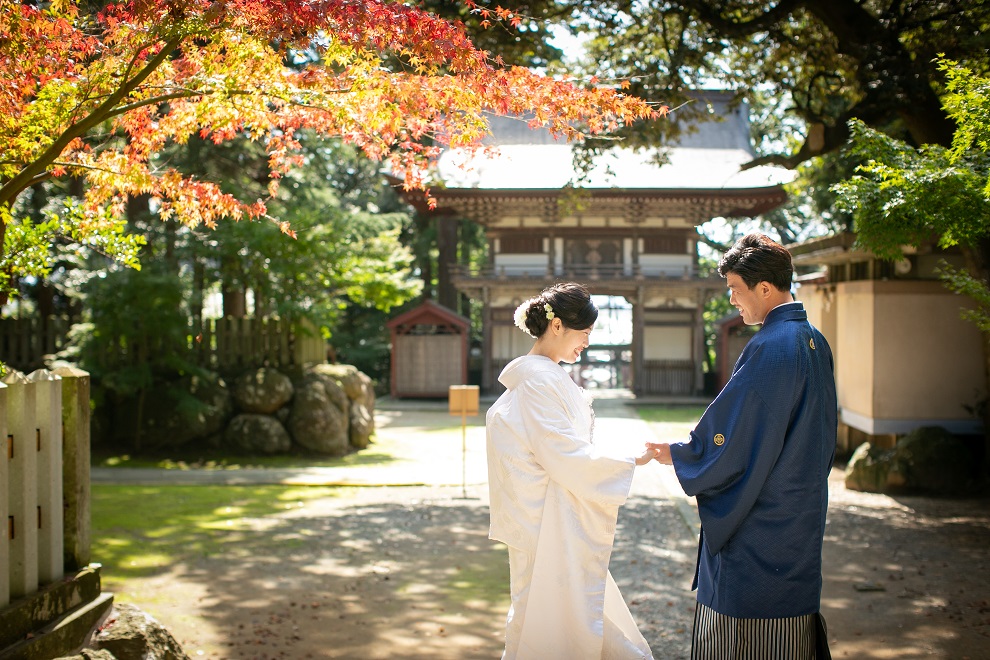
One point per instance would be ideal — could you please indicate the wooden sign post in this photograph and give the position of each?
(463, 401)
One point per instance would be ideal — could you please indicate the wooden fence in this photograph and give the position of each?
(223, 345)
(24, 342)
(44, 478)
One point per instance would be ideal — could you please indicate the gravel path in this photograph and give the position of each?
(407, 571)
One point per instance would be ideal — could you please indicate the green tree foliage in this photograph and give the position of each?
(904, 195)
(805, 68)
(819, 64)
(909, 196)
(346, 252)
(525, 44)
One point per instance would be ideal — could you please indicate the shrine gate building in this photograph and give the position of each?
(627, 228)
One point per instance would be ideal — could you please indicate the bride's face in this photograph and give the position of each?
(569, 344)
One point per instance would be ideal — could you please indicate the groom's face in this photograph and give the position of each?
(752, 303)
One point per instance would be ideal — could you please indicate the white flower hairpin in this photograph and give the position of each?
(549, 310)
(519, 317)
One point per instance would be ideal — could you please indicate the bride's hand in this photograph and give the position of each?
(648, 455)
(662, 450)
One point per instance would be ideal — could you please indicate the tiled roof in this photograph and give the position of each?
(709, 157)
(550, 166)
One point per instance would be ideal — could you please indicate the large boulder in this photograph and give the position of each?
(362, 426)
(166, 423)
(132, 633)
(326, 374)
(257, 434)
(356, 384)
(929, 459)
(262, 391)
(360, 392)
(868, 468)
(318, 419)
(90, 654)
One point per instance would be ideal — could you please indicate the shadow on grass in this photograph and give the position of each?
(278, 572)
(186, 458)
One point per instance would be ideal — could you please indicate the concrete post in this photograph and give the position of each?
(49, 421)
(75, 466)
(4, 505)
(22, 488)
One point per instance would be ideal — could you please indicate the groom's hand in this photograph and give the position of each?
(663, 452)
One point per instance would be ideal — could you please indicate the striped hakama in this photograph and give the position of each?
(721, 637)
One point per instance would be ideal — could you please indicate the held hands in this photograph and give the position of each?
(648, 455)
(662, 452)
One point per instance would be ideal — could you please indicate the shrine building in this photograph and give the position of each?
(627, 228)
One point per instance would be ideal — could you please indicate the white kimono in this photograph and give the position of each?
(554, 502)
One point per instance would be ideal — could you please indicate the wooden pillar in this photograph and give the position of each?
(446, 260)
(49, 420)
(638, 341)
(487, 379)
(4, 502)
(75, 467)
(699, 343)
(551, 254)
(22, 486)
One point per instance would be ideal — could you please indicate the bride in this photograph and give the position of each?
(555, 495)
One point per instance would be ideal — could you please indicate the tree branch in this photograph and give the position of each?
(20, 182)
(713, 16)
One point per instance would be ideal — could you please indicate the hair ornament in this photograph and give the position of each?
(549, 310)
(519, 316)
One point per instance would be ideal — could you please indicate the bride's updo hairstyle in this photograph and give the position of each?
(570, 302)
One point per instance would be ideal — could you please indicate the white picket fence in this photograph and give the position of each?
(44, 478)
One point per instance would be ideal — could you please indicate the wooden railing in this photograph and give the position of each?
(667, 377)
(581, 272)
(44, 478)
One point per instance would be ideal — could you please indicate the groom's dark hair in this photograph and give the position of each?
(758, 258)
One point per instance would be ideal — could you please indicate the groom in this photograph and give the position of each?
(758, 464)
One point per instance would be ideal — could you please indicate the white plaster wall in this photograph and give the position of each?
(665, 265)
(519, 264)
(667, 343)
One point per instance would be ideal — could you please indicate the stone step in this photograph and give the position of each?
(65, 636)
(66, 610)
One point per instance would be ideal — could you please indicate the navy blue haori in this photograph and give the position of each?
(758, 464)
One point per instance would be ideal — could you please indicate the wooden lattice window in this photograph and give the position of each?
(521, 245)
(664, 245)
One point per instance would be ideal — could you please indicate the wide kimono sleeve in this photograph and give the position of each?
(562, 445)
(736, 444)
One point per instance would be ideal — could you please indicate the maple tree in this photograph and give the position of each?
(97, 96)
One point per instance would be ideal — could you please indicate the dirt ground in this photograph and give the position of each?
(408, 571)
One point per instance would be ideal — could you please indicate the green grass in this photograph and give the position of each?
(139, 531)
(671, 414)
(381, 451)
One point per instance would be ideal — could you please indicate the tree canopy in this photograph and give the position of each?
(805, 68)
(96, 95)
(820, 64)
(903, 195)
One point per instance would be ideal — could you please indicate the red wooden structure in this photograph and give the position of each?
(429, 351)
